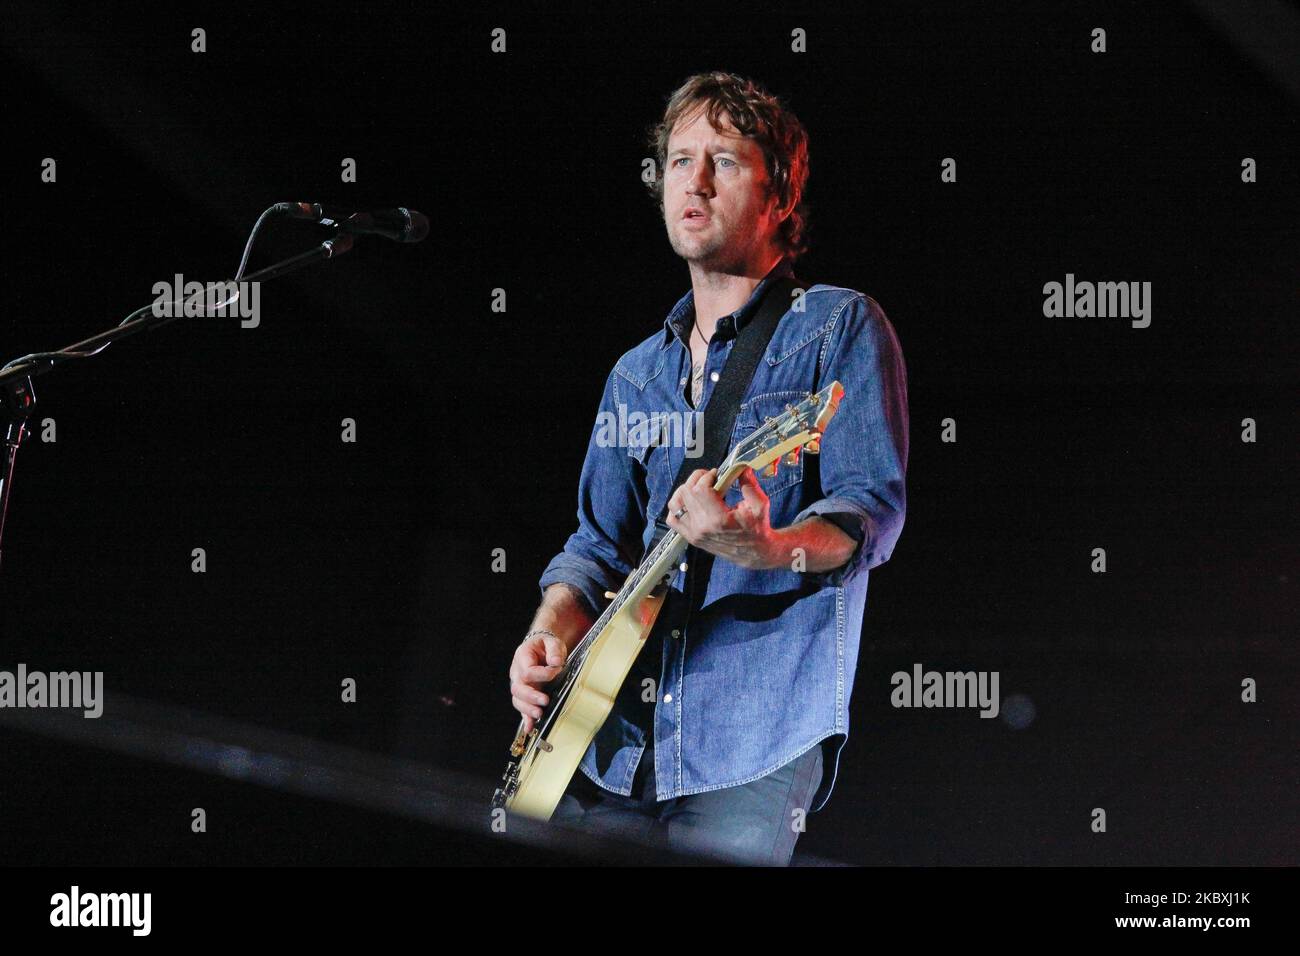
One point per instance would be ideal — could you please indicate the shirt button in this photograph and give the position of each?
(668, 698)
(676, 633)
(713, 376)
(683, 381)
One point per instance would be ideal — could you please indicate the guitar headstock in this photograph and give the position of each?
(799, 427)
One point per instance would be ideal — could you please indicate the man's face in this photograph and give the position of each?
(717, 206)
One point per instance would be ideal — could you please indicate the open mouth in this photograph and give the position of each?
(694, 215)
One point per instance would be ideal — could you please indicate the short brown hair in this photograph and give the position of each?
(762, 117)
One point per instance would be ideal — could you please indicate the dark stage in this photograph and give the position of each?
(372, 559)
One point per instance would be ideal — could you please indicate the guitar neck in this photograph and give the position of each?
(654, 572)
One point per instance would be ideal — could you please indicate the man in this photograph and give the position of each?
(728, 731)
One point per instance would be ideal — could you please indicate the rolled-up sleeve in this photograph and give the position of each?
(598, 557)
(863, 460)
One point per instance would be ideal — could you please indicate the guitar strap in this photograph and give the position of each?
(724, 401)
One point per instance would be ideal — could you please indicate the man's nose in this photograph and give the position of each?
(700, 181)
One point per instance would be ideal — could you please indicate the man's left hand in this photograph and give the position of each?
(742, 535)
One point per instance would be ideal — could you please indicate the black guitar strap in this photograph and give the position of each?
(724, 401)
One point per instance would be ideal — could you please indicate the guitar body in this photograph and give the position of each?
(545, 770)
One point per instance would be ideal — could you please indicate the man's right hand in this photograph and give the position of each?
(537, 660)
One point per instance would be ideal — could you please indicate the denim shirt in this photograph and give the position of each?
(759, 668)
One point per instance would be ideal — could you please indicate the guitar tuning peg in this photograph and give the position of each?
(813, 447)
(770, 470)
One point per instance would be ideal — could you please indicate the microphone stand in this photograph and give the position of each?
(19, 398)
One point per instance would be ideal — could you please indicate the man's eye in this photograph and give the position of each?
(682, 159)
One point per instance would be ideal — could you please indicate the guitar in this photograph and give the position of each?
(544, 759)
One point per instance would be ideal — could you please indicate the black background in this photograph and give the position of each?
(372, 560)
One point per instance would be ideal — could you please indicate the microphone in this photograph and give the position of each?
(400, 225)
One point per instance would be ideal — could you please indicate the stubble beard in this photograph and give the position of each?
(714, 252)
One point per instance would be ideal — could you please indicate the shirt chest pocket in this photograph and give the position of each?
(650, 458)
(753, 414)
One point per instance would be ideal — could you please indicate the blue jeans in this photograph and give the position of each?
(755, 823)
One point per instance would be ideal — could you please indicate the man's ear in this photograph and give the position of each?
(783, 212)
